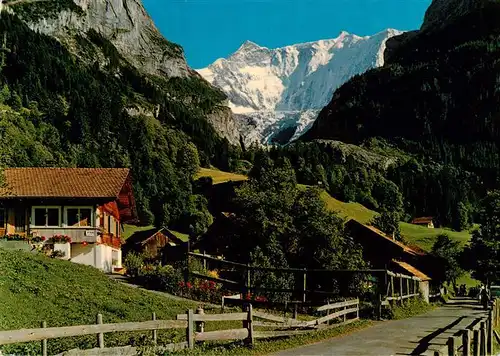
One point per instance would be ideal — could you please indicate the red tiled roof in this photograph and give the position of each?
(423, 220)
(413, 270)
(64, 182)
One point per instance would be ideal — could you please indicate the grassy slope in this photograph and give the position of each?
(418, 235)
(34, 288)
(220, 176)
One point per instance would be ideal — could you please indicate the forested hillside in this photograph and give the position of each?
(60, 110)
(436, 100)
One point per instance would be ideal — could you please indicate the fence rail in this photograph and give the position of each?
(477, 338)
(194, 325)
(408, 286)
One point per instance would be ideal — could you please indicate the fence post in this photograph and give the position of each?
(466, 342)
(189, 329)
(345, 315)
(155, 332)
(204, 261)
(482, 338)
(100, 336)
(401, 289)
(451, 346)
(408, 286)
(44, 342)
(248, 280)
(200, 325)
(476, 343)
(295, 310)
(250, 325)
(357, 308)
(392, 286)
(304, 287)
(489, 333)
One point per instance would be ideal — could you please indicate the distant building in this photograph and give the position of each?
(152, 242)
(424, 221)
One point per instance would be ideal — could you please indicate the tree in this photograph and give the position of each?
(388, 222)
(448, 253)
(483, 256)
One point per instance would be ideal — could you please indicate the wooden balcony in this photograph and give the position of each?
(111, 240)
(77, 234)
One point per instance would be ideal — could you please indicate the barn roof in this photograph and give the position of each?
(412, 270)
(422, 220)
(64, 182)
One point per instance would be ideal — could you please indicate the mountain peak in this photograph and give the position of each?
(248, 46)
(284, 88)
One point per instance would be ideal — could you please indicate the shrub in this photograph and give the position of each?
(133, 262)
(411, 307)
(169, 278)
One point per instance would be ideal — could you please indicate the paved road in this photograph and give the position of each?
(419, 335)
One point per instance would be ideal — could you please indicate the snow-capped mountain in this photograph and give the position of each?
(276, 94)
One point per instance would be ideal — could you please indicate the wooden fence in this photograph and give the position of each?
(194, 324)
(302, 290)
(401, 287)
(477, 338)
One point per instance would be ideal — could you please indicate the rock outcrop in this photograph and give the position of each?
(128, 26)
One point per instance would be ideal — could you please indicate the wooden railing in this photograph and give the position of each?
(477, 338)
(401, 287)
(194, 325)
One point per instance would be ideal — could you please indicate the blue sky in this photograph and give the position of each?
(211, 29)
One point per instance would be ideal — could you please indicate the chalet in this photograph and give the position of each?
(424, 221)
(383, 252)
(78, 211)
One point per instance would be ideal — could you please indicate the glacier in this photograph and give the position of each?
(276, 94)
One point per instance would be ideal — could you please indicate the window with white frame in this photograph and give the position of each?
(79, 216)
(46, 216)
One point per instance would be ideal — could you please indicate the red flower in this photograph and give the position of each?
(44, 238)
(85, 243)
(189, 285)
(182, 284)
(212, 284)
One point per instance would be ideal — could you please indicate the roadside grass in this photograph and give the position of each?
(410, 308)
(263, 347)
(220, 176)
(35, 288)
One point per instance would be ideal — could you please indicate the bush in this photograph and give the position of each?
(133, 263)
(411, 307)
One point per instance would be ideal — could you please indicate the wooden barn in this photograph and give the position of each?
(383, 252)
(152, 242)
(424, 221)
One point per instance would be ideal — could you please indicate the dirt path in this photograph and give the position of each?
(420, 335)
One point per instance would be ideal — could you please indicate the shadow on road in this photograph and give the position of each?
(425, 342)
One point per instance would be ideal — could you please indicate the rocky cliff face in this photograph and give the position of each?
(283, 89)
(127, 25)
